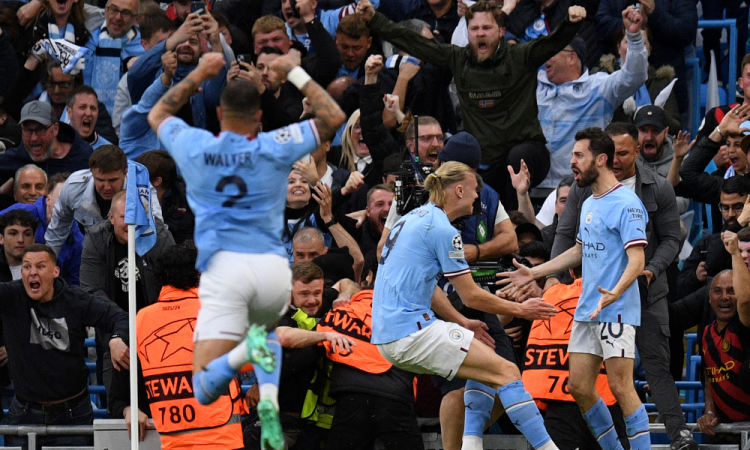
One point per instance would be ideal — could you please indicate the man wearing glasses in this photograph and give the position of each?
(111, 49)
(59, 86)
(53, 146)
(709, 256)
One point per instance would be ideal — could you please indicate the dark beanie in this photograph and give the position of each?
(462, 147)
(579, 47)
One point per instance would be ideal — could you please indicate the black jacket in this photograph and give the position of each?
(5, 276)
(696, 183)
(379, 140)
(98, 263)
(710, 249)
(673, 24)
(324, 64)
(527, 11)
(178, 217)
(50, 365)
(297, 371)
(282, 111)
(40, 30)
(443, 26)
(10, 133)
(426, 95)
(23, 45)
(76, 159)
(498, 95)
(395, 384)
(9, 67)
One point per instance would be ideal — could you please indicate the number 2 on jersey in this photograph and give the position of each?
(241, 187)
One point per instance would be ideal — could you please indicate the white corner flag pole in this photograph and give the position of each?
(133, 342)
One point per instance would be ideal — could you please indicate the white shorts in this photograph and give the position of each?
(238, 289)
(605, 339)
(439, 349)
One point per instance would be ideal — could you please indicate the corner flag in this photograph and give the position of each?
(138, 210)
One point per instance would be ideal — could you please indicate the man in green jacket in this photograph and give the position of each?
(496, 85)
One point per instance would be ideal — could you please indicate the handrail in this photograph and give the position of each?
(724, 428)
(45, 430)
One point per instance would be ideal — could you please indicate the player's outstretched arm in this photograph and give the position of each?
(209, 66)
(328, 115)
(475, 297)
(298, 338)
(524, 275)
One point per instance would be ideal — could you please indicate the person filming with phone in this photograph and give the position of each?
(171, 61)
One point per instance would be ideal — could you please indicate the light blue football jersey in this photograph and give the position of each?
(236, 185)
(422, 246)
(610, 224)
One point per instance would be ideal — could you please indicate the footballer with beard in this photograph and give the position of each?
(612, 236)
(496, 85)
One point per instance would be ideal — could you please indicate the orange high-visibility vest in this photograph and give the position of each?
(165, 352)
(545, 373)
(355, 321)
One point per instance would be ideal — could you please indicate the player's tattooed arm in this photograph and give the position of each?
(171, 102)
(328, 115)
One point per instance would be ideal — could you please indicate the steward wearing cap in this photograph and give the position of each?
(571, 99)
(53, 146)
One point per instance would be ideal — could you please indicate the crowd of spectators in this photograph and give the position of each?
(500, 86)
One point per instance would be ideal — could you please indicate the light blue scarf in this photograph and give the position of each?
(44, 97)
(104, 66)
(68, 34)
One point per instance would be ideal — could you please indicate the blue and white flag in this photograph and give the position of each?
(395, 61)
(138, 208)
(70, 56)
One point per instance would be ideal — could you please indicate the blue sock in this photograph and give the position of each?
(523, 412)
(478, 399)
(266, 379)
(636, 426)
(213, 381)
(602, 427)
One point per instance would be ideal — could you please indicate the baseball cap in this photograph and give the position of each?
(650, 115)
(38, 111)
(462, 147)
